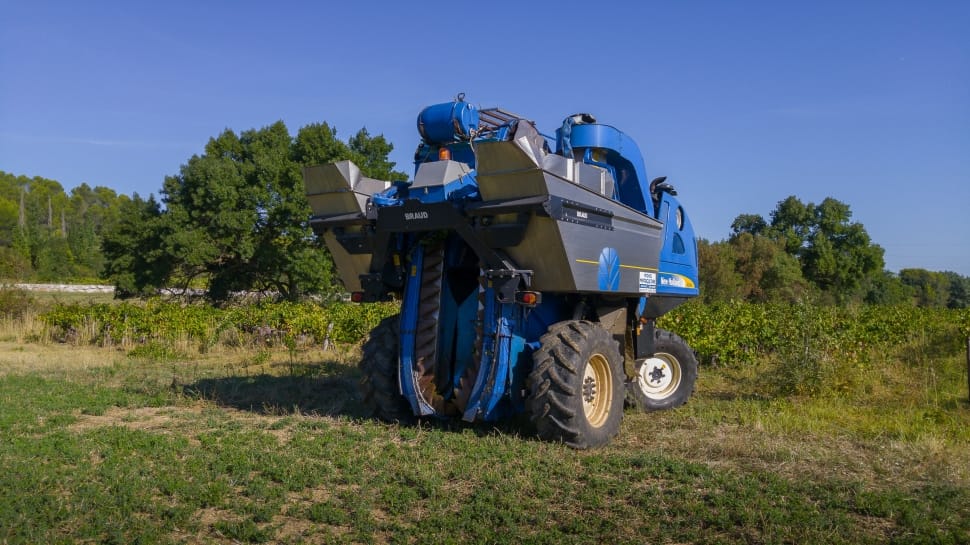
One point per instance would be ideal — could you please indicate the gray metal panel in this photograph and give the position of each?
(542, 252)
(637, 246)
(339, 188)
(369, 186)
(553, 247)
(439, 172)
(330, 177)
(559, 165)
(528, 139)
(512, 185)
(498, 159)
(594, 178)
(349, 266)
(336, 189)
(565, 256)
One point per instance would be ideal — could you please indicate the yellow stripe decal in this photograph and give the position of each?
(637, 268)
(590, 262)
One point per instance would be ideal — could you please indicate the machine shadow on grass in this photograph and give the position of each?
(326, 388)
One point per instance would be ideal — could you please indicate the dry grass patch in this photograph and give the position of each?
(901, 438)
(157, 419)
(801, 456)
(45, 359)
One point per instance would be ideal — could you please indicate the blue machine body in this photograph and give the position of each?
(483, 336)
(447, 123)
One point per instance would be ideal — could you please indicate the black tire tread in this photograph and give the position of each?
(555, 384)
(378, 382)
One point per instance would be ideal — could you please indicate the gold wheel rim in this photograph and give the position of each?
(597, 390)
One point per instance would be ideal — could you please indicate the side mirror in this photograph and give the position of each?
(658, 186)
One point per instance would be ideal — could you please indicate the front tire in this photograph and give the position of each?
(379, 390)
(666, 379)
(576, 385)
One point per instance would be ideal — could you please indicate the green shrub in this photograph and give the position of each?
(15, 303)
(739, 333)
(155, 351)
(261, 324)
(813, 349)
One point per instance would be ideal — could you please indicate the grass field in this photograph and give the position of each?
(260, 446)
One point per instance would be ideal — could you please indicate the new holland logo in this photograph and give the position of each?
(412, 216)
(675, 280)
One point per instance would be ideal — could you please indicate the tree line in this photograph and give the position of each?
(48, 234)
(235, 218)
(807, 251)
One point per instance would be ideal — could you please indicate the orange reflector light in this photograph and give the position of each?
(357, 296)
(444, 154)
(528, 298)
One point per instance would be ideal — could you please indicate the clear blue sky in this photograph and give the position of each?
(740, 103)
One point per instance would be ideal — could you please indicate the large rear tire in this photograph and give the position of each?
(576, 385)
(665, 380)
(379, 389)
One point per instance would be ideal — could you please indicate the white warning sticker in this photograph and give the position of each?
(648, 282)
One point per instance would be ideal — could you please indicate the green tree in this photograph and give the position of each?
(13, 265)
(370, 154)
(136, 259)
(58, 235)
(236, 217)
(929, 288)
(771, 274)
(887, 289)
(959, 296)
(834, 253)
(53, 259)
(719, 281)
(749, 267)
(748, 223)
(792, 223)
(9, 217)
(317, 143)
(85, 247)
(21, 246)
